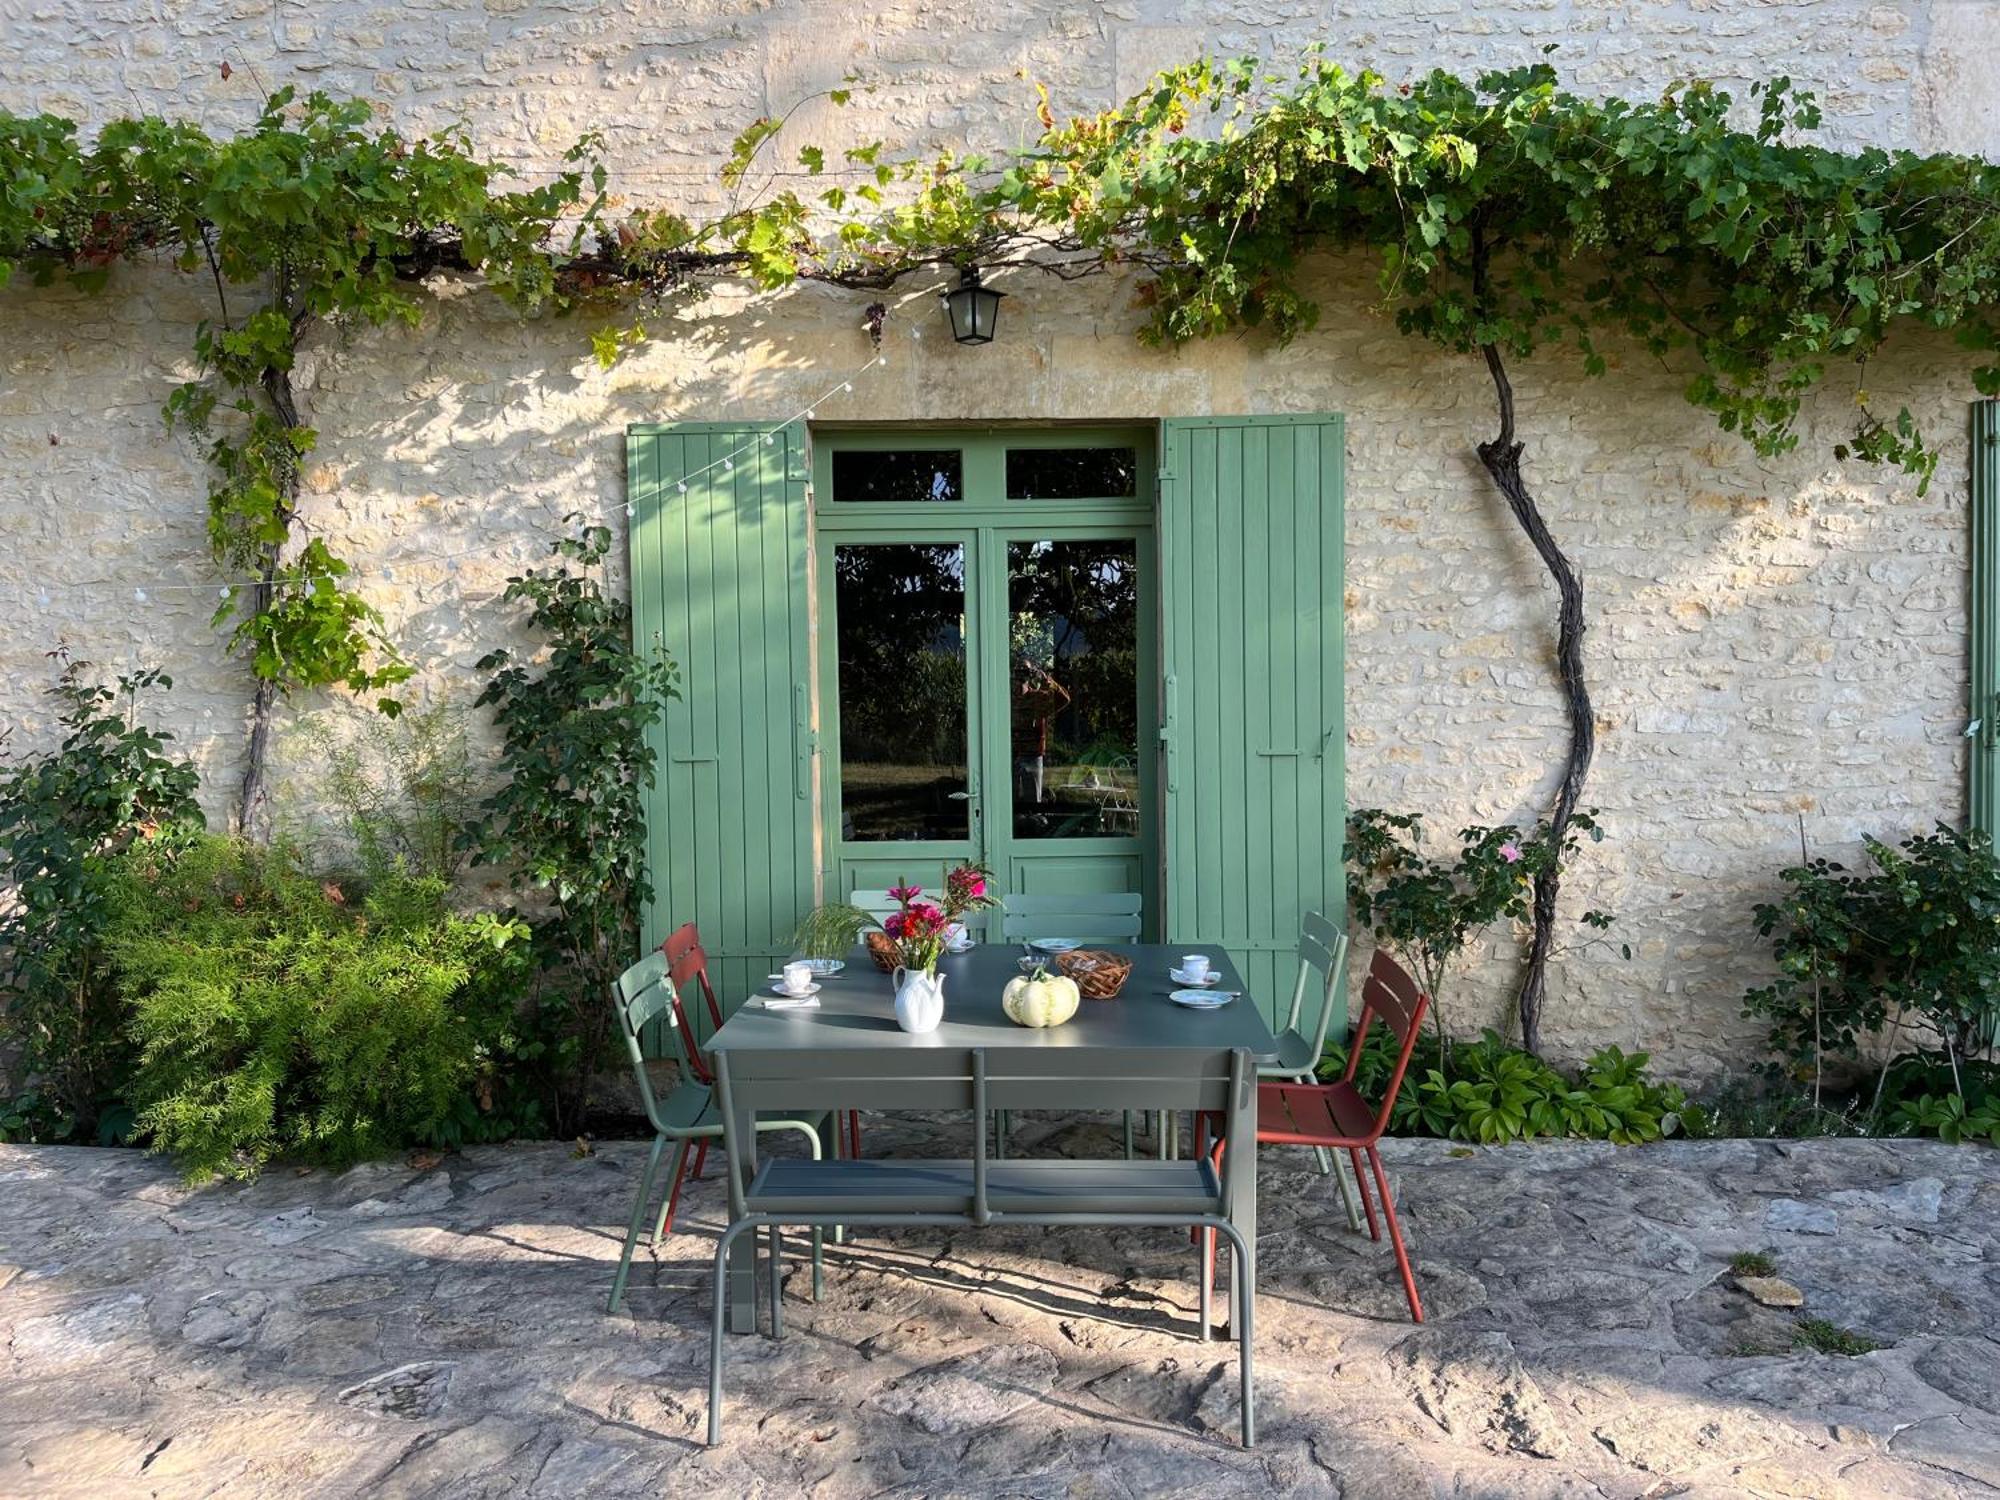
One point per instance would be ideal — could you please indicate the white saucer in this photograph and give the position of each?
(1199, 999)
(1055, 945)
(962, 948)
(805, 994)
(1179, 976)
(825, 967)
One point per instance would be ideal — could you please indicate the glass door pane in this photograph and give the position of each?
(1073, 652)
(899, 612)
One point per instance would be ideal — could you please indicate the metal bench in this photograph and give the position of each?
(982, 1191)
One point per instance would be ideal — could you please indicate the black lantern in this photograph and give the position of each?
(973, 308)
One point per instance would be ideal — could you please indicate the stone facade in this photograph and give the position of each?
(1768, 640)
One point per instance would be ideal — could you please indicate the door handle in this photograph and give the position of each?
(959, 796)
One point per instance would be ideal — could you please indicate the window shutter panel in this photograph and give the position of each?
(1253, 658)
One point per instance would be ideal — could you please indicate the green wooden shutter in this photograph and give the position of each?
(1984, 705)
(719, 574)
(1253, 717)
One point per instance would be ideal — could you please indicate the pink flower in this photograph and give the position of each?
(925, 917)
(893, 924)
(1511, 852)
(905, 892)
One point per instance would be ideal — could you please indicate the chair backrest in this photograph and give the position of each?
(641, 995)
(1392, 997)
(1322, 955)
(1223, 1081)
(1089, 919)
(687, 959)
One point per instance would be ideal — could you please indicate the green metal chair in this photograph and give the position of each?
(687, 1117)
(1112, 918)
(1322, 954)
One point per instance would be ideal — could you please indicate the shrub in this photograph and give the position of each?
(279, 1014)
(1490, 1092)
(569, 821)
(404, 789)
(1427, 910)
(1915, 938)
(109, 781)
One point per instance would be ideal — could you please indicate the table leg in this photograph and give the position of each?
(743, 1254)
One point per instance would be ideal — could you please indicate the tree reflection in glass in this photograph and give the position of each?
(900, 615)
(1073, 645)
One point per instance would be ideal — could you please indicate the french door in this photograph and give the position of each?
(987, 695)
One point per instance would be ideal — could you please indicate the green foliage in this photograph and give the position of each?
(1510, 211)
(1427, 910)
(1917, 936)
(110, 780)
(832, 930)
(314, 215)
(404, 789)
(1830, 1338)
(1491, 1093)
(277, 1015)
(569, 820)
(1752, 1263)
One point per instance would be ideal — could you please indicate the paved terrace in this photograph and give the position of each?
(413, 1331)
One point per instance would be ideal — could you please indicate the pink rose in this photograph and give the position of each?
(1511, 852)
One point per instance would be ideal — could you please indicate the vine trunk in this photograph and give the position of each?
(277, 384)
(1502, 459)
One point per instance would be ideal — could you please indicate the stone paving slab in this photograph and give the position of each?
(401, 1332)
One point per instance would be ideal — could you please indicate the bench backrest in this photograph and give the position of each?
(1222, 1082)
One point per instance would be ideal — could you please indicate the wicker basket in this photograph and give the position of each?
(1099, 974)
(881, 949)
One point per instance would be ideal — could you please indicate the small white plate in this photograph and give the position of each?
(1055, 945)
(826, 968)
(962, 948)
(805, 994)
(1180, 976)
(1199, 999)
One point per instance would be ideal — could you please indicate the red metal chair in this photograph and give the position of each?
(687, 959)
(1335, 1116)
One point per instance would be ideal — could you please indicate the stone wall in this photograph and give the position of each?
(1768, 640)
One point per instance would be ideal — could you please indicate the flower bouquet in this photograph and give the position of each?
(914, 936)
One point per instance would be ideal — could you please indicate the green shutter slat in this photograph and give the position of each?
(1252, 644)
(1984, 698)
(718, 571)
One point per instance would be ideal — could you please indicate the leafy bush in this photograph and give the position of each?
(277, 1014)
(1913, 941)
(404, 788)
(111, 780)
(1427, 910)
(1490, 1092)
(569, 821)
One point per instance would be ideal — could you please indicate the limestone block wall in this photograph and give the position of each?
(1768, 640)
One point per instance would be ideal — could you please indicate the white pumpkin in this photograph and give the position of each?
(1040, 999)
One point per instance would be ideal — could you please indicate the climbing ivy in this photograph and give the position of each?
(313, 218)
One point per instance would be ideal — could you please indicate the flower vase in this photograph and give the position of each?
(919, 1000)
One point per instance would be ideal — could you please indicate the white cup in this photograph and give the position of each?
(1194, 966)
(954, 935)
(798, 977)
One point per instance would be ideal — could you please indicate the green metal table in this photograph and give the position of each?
(857, 1010)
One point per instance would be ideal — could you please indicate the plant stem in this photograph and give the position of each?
(1502, 459)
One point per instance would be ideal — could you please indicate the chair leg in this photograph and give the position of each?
(1246, 1339)
(1128, 1135)
(1396, 1236)
(638, 1222)
(1207, 1237)
(854, 1135)
(1342, 1176)
(700, 1159)
(777, 1282)
(1000, 1125)
(1374, 1229)
(664, 1225)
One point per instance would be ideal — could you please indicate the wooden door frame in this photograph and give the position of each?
(991, 521)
